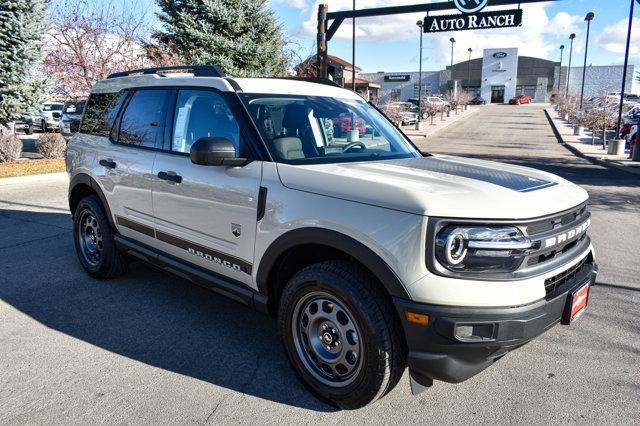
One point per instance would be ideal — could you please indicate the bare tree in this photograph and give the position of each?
(90, 41)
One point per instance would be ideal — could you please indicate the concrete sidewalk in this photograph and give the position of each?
(438, 123)
(583, 147)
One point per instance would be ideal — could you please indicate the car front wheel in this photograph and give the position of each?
(341, 333)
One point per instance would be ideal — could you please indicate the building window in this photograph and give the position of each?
(526, 90)
(426, 89)
(395, 94)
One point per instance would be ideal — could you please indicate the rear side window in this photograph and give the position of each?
(101, 110)
(142, 122)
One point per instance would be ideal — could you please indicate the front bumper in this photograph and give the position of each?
(458, 343)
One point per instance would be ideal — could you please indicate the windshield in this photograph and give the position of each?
(315, 129)
(74, 107)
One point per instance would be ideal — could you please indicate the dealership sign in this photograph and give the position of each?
(473, 21)
(395, 78)
(470, 6)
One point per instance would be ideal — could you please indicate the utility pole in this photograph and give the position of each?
(469, 69)
(560, 70)
(321, 55)
(419, 24)
(452, 40)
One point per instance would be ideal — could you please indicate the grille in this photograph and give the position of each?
(558, 251)
(552, 283)
(563, 219)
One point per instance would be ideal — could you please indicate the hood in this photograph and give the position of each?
(440, 185)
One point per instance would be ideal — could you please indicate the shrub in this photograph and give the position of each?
(10, 148)
(52, 145)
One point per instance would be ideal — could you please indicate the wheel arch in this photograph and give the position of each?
(83, 185)
(318, 244)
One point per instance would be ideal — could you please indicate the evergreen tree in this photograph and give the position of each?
(23, 24)
(243, 37)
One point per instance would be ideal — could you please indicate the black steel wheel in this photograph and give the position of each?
(94, 242)
(341, 333)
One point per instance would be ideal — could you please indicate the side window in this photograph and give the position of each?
(143, 118)
(100, 113)
(201, 114)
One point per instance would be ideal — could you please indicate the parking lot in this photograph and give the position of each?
(152, 348)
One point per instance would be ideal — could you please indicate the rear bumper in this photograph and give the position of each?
(458, 343)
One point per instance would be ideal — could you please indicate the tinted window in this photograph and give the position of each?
(201, 114)
(101, 112)
(143, 118)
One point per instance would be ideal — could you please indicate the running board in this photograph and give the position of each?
(232, 289)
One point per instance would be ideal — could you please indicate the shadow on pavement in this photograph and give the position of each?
(148, 316)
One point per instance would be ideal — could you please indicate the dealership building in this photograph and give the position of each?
(501, 74)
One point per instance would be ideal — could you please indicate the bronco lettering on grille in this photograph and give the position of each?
(567, 236)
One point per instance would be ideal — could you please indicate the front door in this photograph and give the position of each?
(207, 216)
(497, 94)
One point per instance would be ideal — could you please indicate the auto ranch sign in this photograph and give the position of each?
(473, 18)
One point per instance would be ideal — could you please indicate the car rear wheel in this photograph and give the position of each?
(341, 333)
(29, 130)
(94, 242)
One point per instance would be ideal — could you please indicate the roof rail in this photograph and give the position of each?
(198, 71)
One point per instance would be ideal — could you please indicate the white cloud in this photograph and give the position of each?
(295, 4)
(531, 39)
(614, 38)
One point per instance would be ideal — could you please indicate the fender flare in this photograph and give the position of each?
(85, 179)
(335, 240)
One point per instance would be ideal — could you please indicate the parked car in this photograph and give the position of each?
(625, 129)
(70, 119)
(407, 111)
(342, 125)
(478, 100)
(520, 99)
(47, 117)
(370, 256)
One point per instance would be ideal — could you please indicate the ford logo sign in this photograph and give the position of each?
(500, 55)
(470, 6)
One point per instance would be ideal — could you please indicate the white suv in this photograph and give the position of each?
(371, 255)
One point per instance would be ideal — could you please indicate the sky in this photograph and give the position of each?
(391, 43)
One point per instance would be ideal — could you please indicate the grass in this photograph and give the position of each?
(32, 167)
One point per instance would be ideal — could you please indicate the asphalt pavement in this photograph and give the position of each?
(152, 348)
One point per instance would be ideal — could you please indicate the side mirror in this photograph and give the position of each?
(214, 151)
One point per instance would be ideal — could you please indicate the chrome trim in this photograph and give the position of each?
(500, 245)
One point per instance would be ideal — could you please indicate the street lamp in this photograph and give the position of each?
(419, 24)
(571, 37)
(452, 40)
(587, 18)
(469, 68)
(624, 72)
(560, 70)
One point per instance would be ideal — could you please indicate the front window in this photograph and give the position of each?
(315, 129)
(52, 107)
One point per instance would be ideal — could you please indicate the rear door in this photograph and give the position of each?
(128, 164)
(206, 215)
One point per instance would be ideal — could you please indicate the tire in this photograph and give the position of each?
(29, 130)
(94, 242)
(43, 126)
(359, 317)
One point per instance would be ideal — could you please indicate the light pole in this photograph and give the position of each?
(452, 40)
(624, 70)
(419, 24)
(469, 69)
(353, 50)
(587, 18)
(571, 37)
(560, 70)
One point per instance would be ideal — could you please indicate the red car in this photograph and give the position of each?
(520, 99)
(343, 124)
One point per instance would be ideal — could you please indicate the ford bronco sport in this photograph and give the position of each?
(371, 255)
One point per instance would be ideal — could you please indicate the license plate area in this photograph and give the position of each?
(577, 301)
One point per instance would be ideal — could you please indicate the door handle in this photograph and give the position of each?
(172, 176)
(109, 163)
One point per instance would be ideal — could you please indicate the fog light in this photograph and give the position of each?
(475, 332)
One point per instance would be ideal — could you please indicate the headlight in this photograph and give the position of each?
(480, 248)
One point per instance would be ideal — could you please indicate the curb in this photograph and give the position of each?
(33, 178)
(460, 117)
(592, 160)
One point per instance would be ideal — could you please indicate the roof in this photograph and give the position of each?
(363, 82)
(274, 86)
(345, 64)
